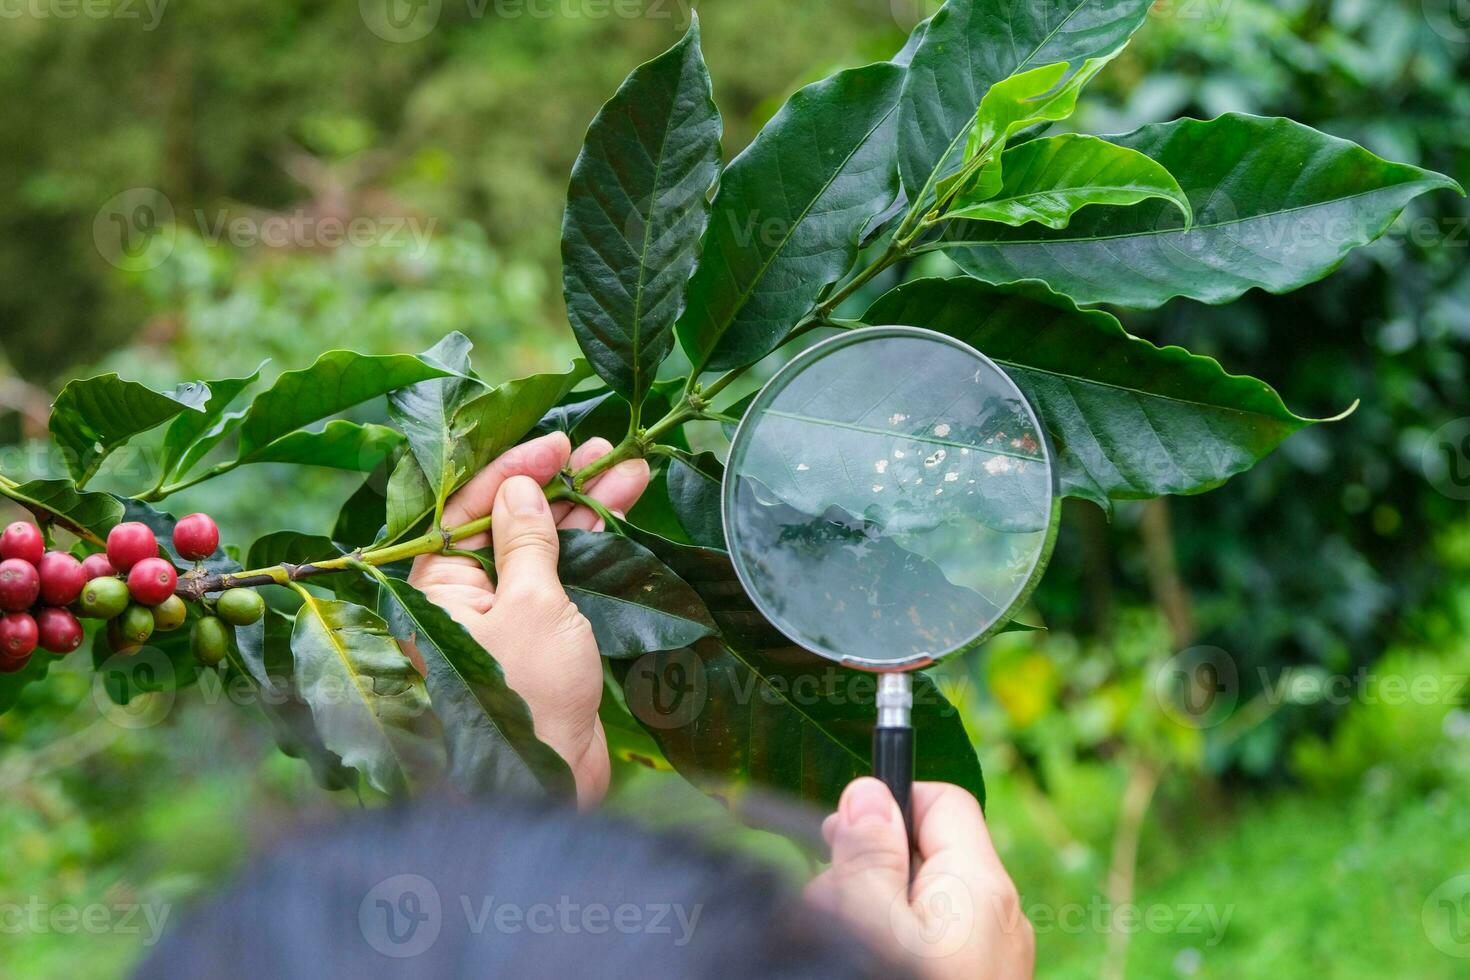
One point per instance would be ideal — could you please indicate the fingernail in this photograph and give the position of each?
(524, 497)
(631, 467)
(865, 799)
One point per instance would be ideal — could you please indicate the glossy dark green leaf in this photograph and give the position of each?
(483, 427)
(337, 381)
(425, 412)
(262, 658)
(192, 434)
(369, 703)
(87, 515)
(654, 511)
(1047, 181)
(290, 548)
(694, 492)
(751, 706)
(364, 514)
(92, 417)
(583, 415)
(1277, 205)
(789, 214)
(1128, 419)
(488, 730)
(970, 45)
(635, 604)
(636, 209)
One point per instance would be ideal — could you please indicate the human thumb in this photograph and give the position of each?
(870, 852)
(525, 540)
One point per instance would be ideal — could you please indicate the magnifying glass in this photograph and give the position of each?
(889, 500)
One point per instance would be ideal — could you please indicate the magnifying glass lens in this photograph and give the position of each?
(888, 497)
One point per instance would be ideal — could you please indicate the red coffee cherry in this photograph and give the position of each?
(18, 637)
(196, 537)
(152, 581)
(58, 631)
(62, 578)
(20, 584)
(23, 541)
(97, 566)
(130, 543)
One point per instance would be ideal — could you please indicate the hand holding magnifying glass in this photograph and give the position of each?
(889, 501)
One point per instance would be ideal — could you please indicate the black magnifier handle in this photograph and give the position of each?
(893, 744)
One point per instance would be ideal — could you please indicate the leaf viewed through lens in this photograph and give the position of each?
(889, 497)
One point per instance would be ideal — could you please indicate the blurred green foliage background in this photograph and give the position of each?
(1312, 825)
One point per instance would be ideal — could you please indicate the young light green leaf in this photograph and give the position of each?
(337, 381)
(636, 209)
(635, 604)
(1253, 227)
(369, 703)
(87, 515)
(694, 492)
(425, 412)
(1041, 95)
(789, 215)
(1049, 180)
(94, 416)
(492, 744)
(1129, 420)
(484, 427)
(970, 46)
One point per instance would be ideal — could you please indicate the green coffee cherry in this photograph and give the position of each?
(210, 641)
(104, 598)
(135, 625)
(170, 614)
(240, 607)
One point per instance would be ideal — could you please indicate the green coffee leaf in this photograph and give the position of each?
(635, 604)
(636, 210)
(488, 731)
(192, 434)
(1128, 419)
(337, 381)
(87, 515)
(1049, 180)
(425, 412)
(369, 703)
(789, 214)
(970, 46)
(1041, 95)
(1252, 228)
(93, 417)
(263, 661)
(694, 492)
(751, 706)
(482, 428)
(339, 445)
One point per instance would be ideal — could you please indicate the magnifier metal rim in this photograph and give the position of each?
(777, 384)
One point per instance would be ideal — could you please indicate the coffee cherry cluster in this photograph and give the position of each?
(36, 588)
(130, 587)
